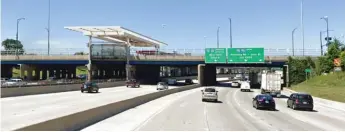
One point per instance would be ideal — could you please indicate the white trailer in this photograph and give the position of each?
(271, 83)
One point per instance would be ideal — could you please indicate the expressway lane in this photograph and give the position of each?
(234, 111)
(22, 111)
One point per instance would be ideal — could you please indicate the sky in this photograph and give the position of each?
(190, 24)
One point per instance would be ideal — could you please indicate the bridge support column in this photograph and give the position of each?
(51, 73)
(29, 70)
(63, 73)
(58, 73)
(6, 71)
(207, 75)
(74, 72)
(147, 73)
(44, 74)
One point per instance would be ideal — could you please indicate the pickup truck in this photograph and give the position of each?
(132, 83)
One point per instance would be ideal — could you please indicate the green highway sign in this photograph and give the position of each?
(307, 70)
(246, 55)
(215, 55)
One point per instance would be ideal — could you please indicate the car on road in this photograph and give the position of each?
(245, 86)
(264, 101)
(132, 83)
(188, 81)
(172, 81)
(162, 86)
(235, 84)
(300, 101)
(209, 93)
(89, 87)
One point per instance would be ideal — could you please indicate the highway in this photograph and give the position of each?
(185, 111)
(21, 111)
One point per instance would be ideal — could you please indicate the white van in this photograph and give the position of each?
(245, 86)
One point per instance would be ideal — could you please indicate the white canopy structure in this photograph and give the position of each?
(116, 34)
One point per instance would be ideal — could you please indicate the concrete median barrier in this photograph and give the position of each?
(12, 92)
(86, 118)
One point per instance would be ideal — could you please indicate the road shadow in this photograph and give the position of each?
(93, 92)
(282, 97)
(306, 110)
(225, 85)
(268, 109)
(218, 102)
(248, 91)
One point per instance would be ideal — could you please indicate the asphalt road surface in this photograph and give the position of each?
(186, 112)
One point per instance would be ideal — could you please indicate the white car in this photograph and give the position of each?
(235, 84)
(162, 86)
(245, 86)
(210, 94)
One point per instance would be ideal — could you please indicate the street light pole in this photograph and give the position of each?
(321, 45)
(326, 19)
(302, 25)
(218, 37)
(48, 29)
(293, 42)
(18, 20)
(205, 42)
(230, 32)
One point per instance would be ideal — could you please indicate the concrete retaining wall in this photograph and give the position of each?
(86, 118)
(12, 92)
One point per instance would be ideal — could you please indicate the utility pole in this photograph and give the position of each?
(302, 25)
(218, 37)
(48, 29)
(18, 20)
(326, 19)
(230, 32)
(293, 42)
(321, 45)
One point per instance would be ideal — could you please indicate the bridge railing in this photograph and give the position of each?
(162, 52)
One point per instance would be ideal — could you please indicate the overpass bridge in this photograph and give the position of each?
(108, 67)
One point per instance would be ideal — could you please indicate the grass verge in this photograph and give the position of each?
(330, 86)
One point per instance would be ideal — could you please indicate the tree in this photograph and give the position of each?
(79, 53)
(13, 46)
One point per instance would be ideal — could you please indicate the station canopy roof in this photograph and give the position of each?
(117, 34)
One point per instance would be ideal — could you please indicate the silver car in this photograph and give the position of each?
(210, 94)
(162, 86)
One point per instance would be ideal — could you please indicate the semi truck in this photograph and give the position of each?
(271, 83)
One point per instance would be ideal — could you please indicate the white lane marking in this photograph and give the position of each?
(164, 106)
(205, 121)
(250, 113)
(237, 115)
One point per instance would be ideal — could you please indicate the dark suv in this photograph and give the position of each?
(300, 101)
(89, 87)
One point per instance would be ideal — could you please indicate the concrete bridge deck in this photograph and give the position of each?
(133, 58)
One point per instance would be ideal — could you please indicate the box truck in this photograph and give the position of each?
(271, 83)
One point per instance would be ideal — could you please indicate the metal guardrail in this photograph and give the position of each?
(55, 82)
(168, 52)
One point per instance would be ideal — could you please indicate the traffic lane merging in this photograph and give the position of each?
(324, 107)
(132, 118)
(277, 119)
(324, 117)
(14, 116)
